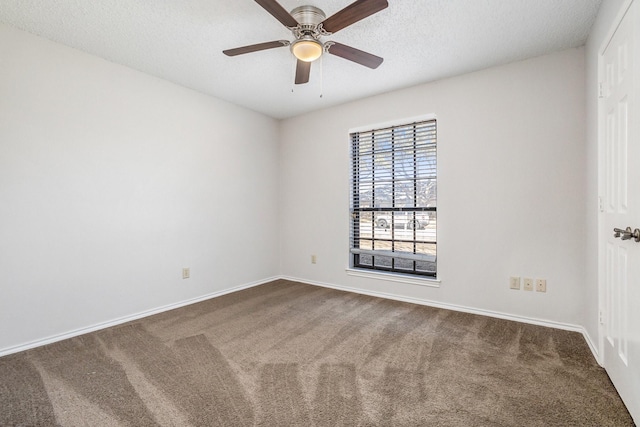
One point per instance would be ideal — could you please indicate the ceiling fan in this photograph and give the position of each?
(308, 24)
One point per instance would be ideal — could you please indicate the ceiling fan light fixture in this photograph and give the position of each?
(307, 49)
(309, 25)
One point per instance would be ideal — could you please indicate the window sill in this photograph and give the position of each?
(394, 277)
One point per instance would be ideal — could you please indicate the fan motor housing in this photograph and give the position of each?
(308, 15)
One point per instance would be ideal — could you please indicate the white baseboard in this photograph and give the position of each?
(594, 347)
(125, 319)
(454, 307)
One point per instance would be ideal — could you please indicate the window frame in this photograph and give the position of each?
(356, 267)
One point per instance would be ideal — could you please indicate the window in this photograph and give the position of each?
(393, 199)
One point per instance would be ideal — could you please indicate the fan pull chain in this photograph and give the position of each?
(293, 85)
(321, 76)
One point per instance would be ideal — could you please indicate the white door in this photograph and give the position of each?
(620, 116)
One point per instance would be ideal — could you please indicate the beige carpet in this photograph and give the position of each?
(290, 354)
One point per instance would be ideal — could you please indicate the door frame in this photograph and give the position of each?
(601, 177)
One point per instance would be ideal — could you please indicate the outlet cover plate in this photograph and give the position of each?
(527, 284)
(541, 285)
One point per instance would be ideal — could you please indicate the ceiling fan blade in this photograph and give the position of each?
(278, 12)
(355, 55)
(303, 69)
(353, 13)
(255, 47)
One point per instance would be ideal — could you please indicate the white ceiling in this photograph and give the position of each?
(420, 41)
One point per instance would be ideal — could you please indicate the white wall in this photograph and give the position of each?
(603, 24)
(111, 181)
(511, 189)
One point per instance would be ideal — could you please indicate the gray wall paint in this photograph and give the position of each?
(511, 189)
(111, 181)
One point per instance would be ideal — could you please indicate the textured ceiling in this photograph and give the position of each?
(420, 41)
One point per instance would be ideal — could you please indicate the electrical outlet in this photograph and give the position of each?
(541, 285)
(527, 284)
(313, 259)
(514, 282)
(185, 273)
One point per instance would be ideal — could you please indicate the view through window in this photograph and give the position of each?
(393, 199)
